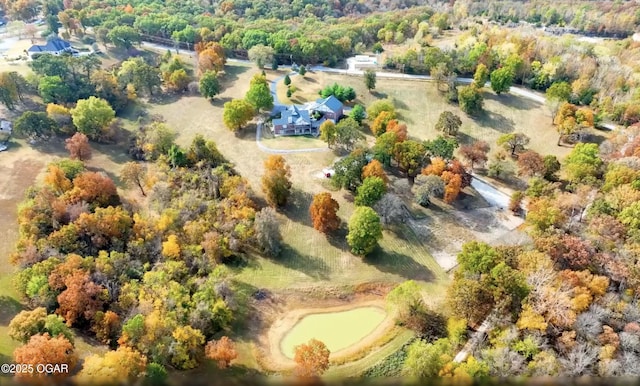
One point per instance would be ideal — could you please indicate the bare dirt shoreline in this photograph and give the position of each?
(273, 359)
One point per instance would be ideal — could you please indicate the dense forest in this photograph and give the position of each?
(148, 279)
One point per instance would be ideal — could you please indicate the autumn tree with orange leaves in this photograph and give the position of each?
(81, 298)
(312, 359)
(56, 180)
(106, 326)
(94, 188)
(222, 351)
(379, 125)
(210, 57)
(400, 130)
(452, 189)
(78, 147)
(275, 182)
(475, 153)
(43, 349)
(374, 169)
(530, 164)
(323, 211)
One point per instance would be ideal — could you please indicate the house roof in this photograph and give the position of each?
(330, 102)
(53, 45)
(293, 116)
(300, 115)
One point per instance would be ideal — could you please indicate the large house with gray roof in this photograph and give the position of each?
(306, 119)
(54, 46)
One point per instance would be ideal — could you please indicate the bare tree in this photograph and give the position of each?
(629, 342)
(503, 362)
(580, 360)
(267, 230)
(391, 209)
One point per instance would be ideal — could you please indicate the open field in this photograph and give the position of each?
(419, 104)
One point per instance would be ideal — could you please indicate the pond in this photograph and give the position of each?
(337, 330)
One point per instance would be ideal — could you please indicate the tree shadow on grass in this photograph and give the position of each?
(399, 104)
(115, 152)
(9, 307)
(338, 238)
(512, 101)
(399, 264)
(231, 73)
(465, 139)
(165, 98)
(242, 299)
(404, 118)
(208, 374)
(247, 133)
(378, 94)
(54, 146)
(5, 359)
(309, 265)
(220, 101)
(297, 208)
(28, 104)
(496, 121)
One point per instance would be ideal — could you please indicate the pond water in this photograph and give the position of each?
(337, 330)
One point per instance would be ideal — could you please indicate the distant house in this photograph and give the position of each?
(55, 46)
(306, 119)
(365, 61)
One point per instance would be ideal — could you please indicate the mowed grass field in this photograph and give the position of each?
(310, 258)
(419, 104)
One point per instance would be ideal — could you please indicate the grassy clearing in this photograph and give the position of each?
(310, 258)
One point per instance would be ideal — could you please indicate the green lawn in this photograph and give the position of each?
(310, 258)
